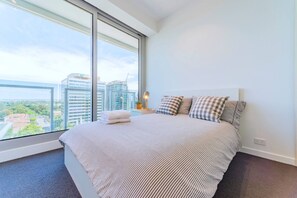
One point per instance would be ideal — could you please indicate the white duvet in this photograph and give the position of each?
(154, 155)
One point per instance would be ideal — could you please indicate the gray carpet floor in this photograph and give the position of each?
(39, 176)
(45, 176)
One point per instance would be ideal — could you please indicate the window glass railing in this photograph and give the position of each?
(27, 110)
(35, 109)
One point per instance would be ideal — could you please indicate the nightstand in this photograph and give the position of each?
(137, 112)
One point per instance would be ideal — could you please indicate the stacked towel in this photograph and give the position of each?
(118, 116)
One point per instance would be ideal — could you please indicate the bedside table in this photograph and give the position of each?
(137, 112)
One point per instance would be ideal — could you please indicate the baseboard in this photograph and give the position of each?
(268, 155)
(25, 151)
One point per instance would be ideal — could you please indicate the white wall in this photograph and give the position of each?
(233, 44)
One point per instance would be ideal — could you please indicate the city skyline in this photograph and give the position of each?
(9, 93)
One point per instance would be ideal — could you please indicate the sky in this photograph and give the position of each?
(35, 49)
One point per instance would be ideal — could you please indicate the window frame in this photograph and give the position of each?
(98, 14)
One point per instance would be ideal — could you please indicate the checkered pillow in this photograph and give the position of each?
(169, 105)
(208, 108)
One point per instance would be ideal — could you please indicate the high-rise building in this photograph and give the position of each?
(131, 99)
(119, 97)
(101, 97)
(76, 98)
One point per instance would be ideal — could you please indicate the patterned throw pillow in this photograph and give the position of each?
(208, 108)
(169, 105)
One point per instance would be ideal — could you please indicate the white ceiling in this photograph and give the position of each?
(157, 9)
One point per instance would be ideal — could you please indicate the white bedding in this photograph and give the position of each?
(154, 155)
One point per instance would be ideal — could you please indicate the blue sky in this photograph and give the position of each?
(38, 50)
(19, 28)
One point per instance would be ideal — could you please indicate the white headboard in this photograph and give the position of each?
(233, 93)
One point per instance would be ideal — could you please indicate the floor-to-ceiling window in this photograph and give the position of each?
(47, 67)
(117, 54)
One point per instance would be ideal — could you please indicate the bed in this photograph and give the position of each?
(153, 156)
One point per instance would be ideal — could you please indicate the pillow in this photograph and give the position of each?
(169, 105)
(208, 108)
(185, 106)
(232, 112)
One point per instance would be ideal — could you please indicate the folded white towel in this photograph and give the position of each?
(117, 114)
(115, 121)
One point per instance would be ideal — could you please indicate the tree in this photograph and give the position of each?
(2, 106)
(2, 115)
(33, 119)
(39, 108)
(8, 111)
(30, 129)
(58, 122)
(21, 108)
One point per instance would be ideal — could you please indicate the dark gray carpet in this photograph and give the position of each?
(38, 176)
(253, 177)
(45, 176)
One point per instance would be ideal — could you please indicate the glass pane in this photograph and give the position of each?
(117, 69)
(45, 67)
(20, 115)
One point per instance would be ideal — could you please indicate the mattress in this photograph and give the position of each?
(154, 155)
